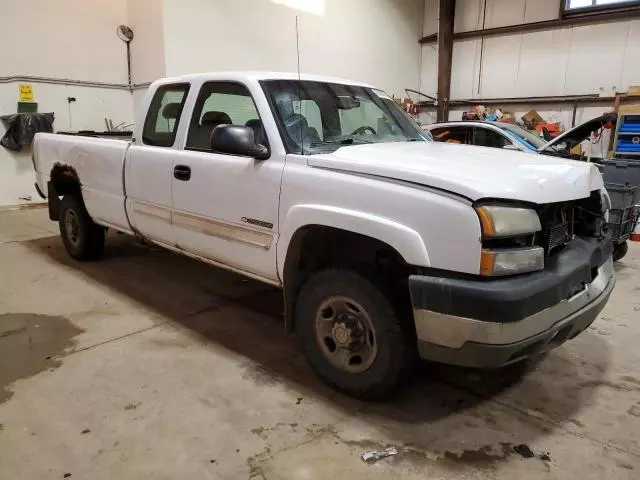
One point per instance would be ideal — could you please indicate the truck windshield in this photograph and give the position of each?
(319, 117)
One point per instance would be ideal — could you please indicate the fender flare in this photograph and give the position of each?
(406, 241)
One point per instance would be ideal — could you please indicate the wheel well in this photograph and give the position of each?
(316, 247)
(63, 181)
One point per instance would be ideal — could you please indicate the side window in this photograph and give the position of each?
(435, 133)
(310, 110)
(221, 103)
(485, 137)
(451, 135)
(163, 116)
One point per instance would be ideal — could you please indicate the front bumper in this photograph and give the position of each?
(489, 323)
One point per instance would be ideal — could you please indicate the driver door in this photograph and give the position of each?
(225, 207)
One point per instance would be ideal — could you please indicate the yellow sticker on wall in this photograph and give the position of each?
(26, 92)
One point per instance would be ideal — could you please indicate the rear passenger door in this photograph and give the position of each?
(149, 165)
(225, 208)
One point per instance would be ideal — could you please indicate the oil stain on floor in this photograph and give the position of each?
(30, 344)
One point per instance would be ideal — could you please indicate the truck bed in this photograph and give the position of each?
(124, 134)
(97, 161)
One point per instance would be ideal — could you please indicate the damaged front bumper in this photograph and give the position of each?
(491, 323)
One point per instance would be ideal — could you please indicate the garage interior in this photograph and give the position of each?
(149, 364)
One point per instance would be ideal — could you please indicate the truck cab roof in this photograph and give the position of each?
(255, 76)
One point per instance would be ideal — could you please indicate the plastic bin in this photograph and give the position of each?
(622, 213)
(619, 171)
(630, 123)
(622, 196)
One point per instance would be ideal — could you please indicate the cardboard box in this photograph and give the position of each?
(404, 102)
(531, 118)
(507, 117)
(634, 91)
(629, 109)
(576, 150)
(554, 129)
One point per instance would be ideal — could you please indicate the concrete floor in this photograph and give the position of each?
(148, 365)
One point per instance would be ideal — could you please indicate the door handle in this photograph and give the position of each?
(182, 172)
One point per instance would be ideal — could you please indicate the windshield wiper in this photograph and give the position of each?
(341, 141)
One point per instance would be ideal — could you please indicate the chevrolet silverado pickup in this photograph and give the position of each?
(386, 245)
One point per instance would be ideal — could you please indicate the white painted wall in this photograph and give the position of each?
(208, 35)
(367, 40)
(64, 39)
(500, 13)
(373, 41)
(87, 112)
(146, 19)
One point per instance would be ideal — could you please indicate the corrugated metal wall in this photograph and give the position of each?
(569, 61)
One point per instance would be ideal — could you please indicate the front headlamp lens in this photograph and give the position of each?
(511, 261)
(503, 221)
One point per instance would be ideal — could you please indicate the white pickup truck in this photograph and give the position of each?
(386, 245)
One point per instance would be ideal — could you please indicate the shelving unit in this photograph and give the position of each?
(627, 140)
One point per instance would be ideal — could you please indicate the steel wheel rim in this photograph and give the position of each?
(345, 334)
(72, 227)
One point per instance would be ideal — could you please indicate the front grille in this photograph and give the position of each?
(556, 236)
(557, 224)
(561, 221)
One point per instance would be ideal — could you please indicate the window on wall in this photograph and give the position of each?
(576, 5)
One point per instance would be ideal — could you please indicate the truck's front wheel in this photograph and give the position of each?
(619, 251)
(83, 239)
(350, 334)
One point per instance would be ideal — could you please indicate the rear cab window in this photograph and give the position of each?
(163, 116)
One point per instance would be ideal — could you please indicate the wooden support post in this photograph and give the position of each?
(445, 53)
(612, 136)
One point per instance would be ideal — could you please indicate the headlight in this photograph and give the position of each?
(503, 221)
(510, 261)
(507, 240)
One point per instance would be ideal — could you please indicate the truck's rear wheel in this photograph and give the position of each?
(350, 334)
(83, 239)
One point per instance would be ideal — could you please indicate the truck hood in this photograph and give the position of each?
(473, 172)
(582, 132)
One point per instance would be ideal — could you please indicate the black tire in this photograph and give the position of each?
(83, 239)
(393, 355)
(620, 250)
